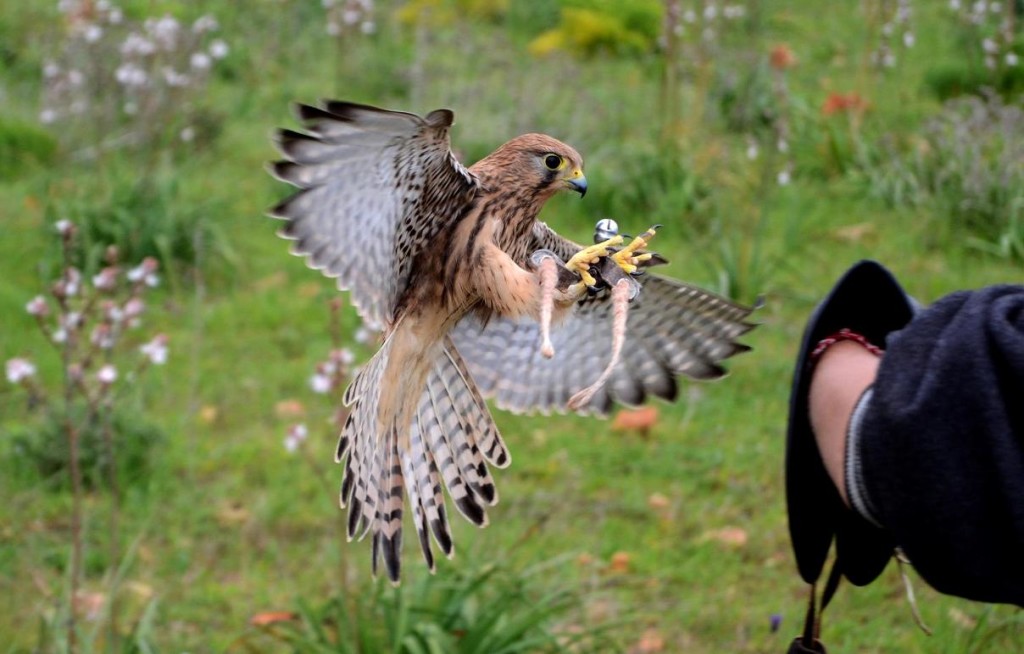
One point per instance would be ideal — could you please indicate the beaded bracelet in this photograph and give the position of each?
(844, 334)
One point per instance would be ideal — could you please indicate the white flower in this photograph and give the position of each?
(320, 383)
(71, 282)
(954, 5)
(187, 134)
(112, 313)
(333, 29)
(59, 335)
(908, 40)
(733, 11)
(130, 74)
(343, 356)
(106, 279)
(751, 150)
(218, 49)
(72, 320)
(783, 178)
(37, 306)
(103, 336)
(107, 374)
(1012, 59)
(200, 61)
(782, 145)
(136, 44)
(47, 116)
(994, 7)
(145, 272)
(173, 78)
(295, 437)
(989, 46)
(165, 30)
(50, 70)
(206, 23)
(710, 12)
(133, 308)
(689, 16)
(115, 16)
(93, 33)
(19, 369)
(368, 27)
(64, 227)
(156, 350)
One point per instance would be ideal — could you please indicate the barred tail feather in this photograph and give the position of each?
(447, 445)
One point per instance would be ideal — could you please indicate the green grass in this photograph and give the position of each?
(229, 525)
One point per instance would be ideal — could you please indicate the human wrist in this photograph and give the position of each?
(841, 375)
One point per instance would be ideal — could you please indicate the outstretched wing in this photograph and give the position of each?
(376, 187)
(673, 329)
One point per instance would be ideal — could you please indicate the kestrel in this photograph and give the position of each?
(445, 258)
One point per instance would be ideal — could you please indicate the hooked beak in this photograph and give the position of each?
(577, 182)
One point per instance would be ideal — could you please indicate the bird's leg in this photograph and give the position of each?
(627, 258)
(621, 295)
(553, 281)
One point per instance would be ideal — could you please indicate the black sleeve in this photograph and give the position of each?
(942, 445)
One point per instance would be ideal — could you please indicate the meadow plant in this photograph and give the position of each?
(115, 83)
(893, 23)
(989, 30)
(91, 323)
(989, 35)
(349, 17)
(967, 164)
(488, 609)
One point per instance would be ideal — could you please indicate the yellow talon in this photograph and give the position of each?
(581, 261)
(626, 258)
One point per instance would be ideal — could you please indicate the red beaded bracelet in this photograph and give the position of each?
(844, 334)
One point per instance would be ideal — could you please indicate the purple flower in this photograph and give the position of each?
(775, 621)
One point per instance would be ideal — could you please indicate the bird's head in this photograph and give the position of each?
(541, 164)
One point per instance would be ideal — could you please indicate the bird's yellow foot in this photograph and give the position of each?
(627, 258)
(581, 261)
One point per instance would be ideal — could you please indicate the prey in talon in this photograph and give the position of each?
(463, 277)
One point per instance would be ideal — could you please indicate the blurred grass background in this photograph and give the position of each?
(778, 142)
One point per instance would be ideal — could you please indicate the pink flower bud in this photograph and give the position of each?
(37, 306)
(19, 370)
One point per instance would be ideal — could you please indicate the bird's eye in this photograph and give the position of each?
(553, 161)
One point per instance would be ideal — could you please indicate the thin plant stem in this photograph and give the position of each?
(75, 471)
(114, 526)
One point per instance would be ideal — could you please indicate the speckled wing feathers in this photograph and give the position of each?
(376, 187)
(673, 329)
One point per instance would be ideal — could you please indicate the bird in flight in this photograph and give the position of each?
(447, 260)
